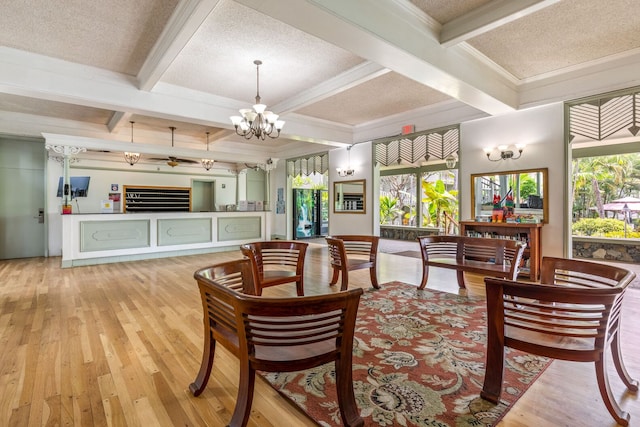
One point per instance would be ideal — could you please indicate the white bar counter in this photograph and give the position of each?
(103, 238)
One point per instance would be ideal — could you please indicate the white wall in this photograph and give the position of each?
(542, 129)
(361, 161)
(343, 223)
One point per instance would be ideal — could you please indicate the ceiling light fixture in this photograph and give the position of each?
(172, 160)
(257, 122)
(349, 171)
(450, 161)
(207, 163)
(130, 157)
(506, 152)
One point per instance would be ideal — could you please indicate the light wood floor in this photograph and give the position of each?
(118, 345)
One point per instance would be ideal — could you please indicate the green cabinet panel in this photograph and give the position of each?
(239, 228)
(184, 231)
(112, 235)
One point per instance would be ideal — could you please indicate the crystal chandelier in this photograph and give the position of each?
(256, 121)
(207, 163)
(130, 157)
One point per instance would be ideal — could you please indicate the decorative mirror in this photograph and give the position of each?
(349, 196)
(521, 195)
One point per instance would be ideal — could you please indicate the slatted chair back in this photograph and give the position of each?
(487, 256)
(353, 252)
(442, 246)
(275, 262)
(277, 335)
(573, 314)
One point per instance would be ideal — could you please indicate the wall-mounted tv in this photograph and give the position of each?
(79, 186)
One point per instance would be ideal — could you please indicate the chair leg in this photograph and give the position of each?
(425, 277)
(632, 385)
(346, 398)
(618, 414)
(494, 366)
(334, 277)
(492, 387)
(208, 353)
(245, 396)
(344, 284)
(460, 275)
(300, 287)
(374, 277)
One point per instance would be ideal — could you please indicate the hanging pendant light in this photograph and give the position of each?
(131, 157)
(207, 163)
(173, 161)
(257, 122)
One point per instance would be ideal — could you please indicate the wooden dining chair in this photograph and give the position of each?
(353, 252)
(275, 262)
(275, 334)
(573, 314)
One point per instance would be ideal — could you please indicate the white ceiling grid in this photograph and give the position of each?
(332, 68)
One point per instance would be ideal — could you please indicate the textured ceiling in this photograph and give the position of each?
(114, 34)
(378, 98)
(565, 34)
(337, 72)
(222, 53)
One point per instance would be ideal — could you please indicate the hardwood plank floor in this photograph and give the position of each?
(118, 345)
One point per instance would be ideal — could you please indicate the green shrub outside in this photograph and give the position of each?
(598, 227)
(620, 235)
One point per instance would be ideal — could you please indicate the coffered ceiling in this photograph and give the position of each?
(338, 72)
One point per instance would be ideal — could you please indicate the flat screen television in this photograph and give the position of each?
(79, 186)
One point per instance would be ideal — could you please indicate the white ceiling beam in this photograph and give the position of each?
(488, 17)
(117, 119)
(38, 76)
(353, 77)
(244, 151)
(183, 24)
(395, 36)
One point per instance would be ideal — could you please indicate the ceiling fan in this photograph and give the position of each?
(173, 161)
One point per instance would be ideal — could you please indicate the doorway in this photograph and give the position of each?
(311, 213)
(203, 196)
(22, 228)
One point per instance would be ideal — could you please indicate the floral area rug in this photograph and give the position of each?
(418, 360)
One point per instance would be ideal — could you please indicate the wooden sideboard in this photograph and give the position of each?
(525, 232)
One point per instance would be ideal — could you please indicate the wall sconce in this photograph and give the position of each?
(506, 152)
(349, 171)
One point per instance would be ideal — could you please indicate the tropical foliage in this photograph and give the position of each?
(315, 182)
(600, 180)
(440, 203)
(400, 192)
(528, 186)
(389, 209)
